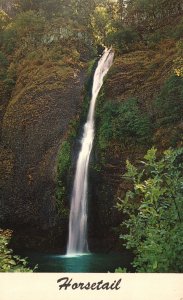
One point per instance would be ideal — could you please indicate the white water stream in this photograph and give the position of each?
(77, 242)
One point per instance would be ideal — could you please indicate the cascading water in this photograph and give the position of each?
(77, 242)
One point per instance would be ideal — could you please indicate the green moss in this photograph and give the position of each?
(169, 104)
(64, 162)
(64, 158)
(91, 67)
(38, 79)
(122, 122)
(3, 60)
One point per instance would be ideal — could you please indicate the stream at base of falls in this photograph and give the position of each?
(84, 263)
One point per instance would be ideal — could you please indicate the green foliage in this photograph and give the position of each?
(169, 104)
(26, 5)
(9, 39)
(29, 20)
(169, 33)
(64, 158)
(4, 19)
(8, 85)
(178, 31)
(8, 261)
(64, 161)
(3, 60)
(154, 212)
(100, 23)
(178, 62)
(121, 270)
(73, 9)
(26, 27)
(3, 65)
(29, 25)
(122, 38)
(91, 67)
(123, 122)
(148, 15)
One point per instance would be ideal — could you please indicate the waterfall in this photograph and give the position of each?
(77, 242)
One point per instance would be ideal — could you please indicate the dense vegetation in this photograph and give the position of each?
(43, 46)
(8, 261)
(123, 122)
(154, 211)
(169, 103)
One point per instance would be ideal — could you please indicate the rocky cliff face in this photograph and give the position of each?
(46, 98)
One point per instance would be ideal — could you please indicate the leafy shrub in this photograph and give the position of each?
(27, 27)
(64, 158)
(91, 67)
(169, 104)
(154, 207)
(178, 62)
(3, 60)
(178, 30)
(123, 121)
(8, 261)
(3, 65)
(122, 38)
(9, 38)
(29, 23)
(64, 161)
(8, 86)
(4, 19)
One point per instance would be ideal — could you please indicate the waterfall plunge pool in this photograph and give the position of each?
(84, 263)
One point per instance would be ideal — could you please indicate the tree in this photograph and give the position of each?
(121, 9)
(82, 11)
(148, 15)
(153, 228)
(100, 23)
(25, 5)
